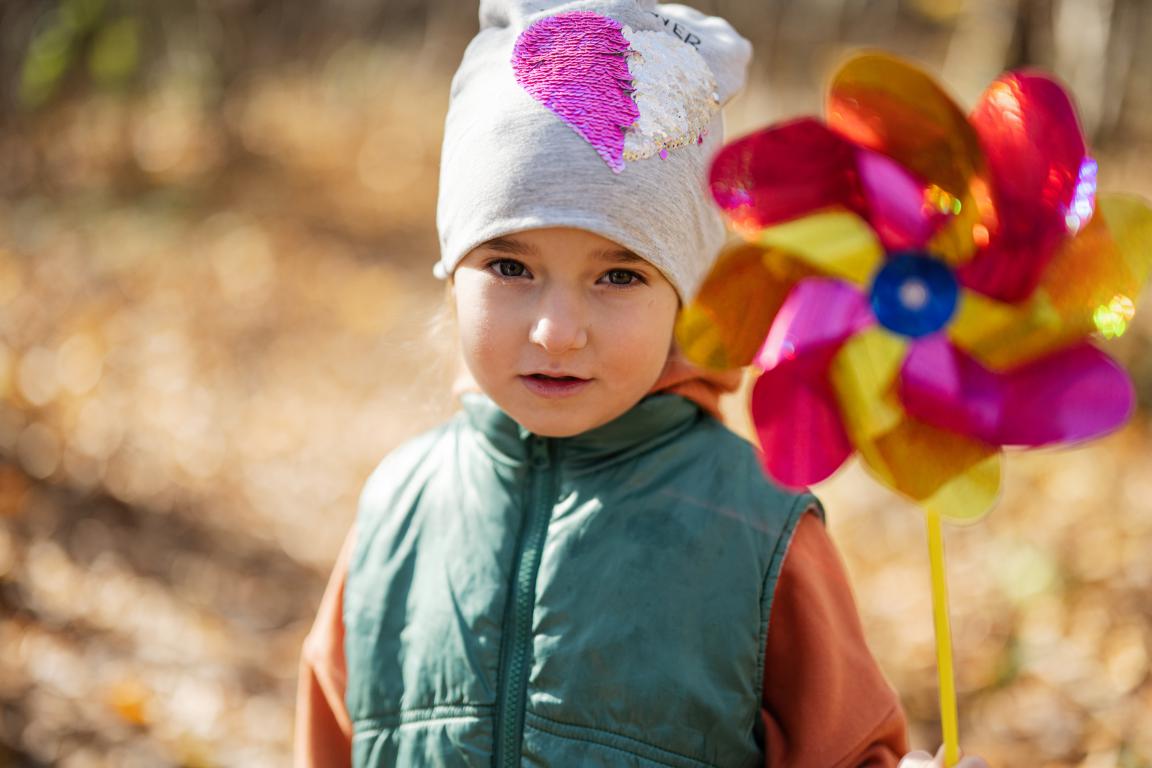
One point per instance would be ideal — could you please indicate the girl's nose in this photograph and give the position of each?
(560, 325)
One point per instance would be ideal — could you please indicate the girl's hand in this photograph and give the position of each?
(921, 759)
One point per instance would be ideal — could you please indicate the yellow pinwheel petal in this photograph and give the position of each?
(1002, 335)
(959, 238)
(1093, 282)
(893, 107)
(945, 472)
(863, 374)
(952, 474)
(836, 243)
(970, 495)
(725, 325)
(1090, 287)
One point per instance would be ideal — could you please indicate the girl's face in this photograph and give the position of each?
(564, 329)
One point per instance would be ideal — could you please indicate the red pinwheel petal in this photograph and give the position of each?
(815, 319)
(794, 406)
(1072, 395)
(798, 425)
(1042, 181)
(781, 173)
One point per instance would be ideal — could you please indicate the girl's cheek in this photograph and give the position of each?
(490, 325)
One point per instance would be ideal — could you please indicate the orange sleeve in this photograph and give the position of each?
(826, 702)
(323, 737)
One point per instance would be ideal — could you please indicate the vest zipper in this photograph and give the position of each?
(517, 650)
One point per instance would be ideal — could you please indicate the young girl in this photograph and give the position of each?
(584, 567)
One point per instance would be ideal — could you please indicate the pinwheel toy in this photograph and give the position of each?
(922, 288)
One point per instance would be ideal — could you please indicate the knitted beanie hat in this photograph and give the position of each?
(596, 114)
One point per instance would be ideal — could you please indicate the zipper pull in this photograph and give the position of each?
(538, 452)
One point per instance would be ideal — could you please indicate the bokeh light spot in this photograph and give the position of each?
(1112, 319)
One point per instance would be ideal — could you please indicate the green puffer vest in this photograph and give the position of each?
(598, 600)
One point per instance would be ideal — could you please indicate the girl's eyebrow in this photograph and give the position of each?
(520, 248)
(620, 256)
(514, 247)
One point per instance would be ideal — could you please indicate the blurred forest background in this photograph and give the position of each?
(216, 239)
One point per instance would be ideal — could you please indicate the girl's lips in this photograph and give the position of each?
(554, 386)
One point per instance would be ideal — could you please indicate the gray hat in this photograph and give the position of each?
(596, 114)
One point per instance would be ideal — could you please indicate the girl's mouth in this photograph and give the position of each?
(554, 386)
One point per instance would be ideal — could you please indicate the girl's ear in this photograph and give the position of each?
(450, 297)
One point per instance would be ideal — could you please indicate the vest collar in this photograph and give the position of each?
(655, 419)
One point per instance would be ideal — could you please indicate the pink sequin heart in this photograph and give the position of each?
(575, 64)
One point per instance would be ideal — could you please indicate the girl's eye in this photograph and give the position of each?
(509, 268)
(623, 277)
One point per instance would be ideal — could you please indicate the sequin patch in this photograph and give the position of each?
(675, 91)
(576, 64)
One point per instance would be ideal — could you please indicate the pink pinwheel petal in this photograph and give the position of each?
(1042, 181)
(897, 207)
(781, 173)
(1072, 395)
(818, 315)
(945, 388)
(798, 425)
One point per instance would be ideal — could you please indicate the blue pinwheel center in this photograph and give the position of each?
(914, 294)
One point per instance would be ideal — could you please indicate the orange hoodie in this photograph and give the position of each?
(825, 702)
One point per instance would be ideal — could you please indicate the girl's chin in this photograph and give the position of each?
(559, 424)
(561, 418)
